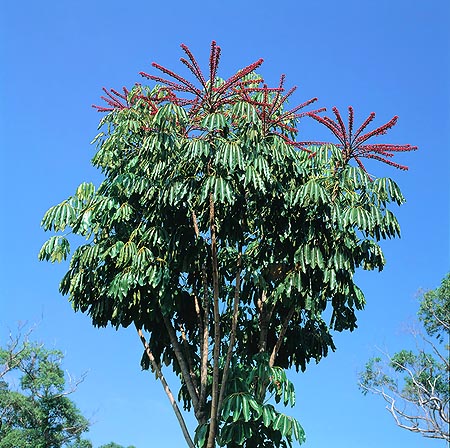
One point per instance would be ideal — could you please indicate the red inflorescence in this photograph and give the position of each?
(353, 145)
(210, 96)
(270, 110)
(117, 101)
(114, 99)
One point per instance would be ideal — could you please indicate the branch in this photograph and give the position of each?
(167, 390)
(280, 339)
(185, 371)
(190, 361)
(263, 322)
(425, 411)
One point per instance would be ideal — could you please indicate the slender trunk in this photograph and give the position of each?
(216, 350)
(203, 325)
(280, 339)
(226, 367)
(167, 390)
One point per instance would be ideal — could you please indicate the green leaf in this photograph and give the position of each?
(283, 424)
(245, 407)
(55, 249)
(214, 121)
(268, 415)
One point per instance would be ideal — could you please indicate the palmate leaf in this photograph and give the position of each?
(387, 191)
(123, 213)
(214, 121)
(283, 424)
(59, 216)
(85, 191)
(222, 191)
(308, 255)
(195, 148)
(268, 415)
(220, 188)
(355, 177)
(244, 112)
(229, 156)
(311, 193)
(262, 167)
(252, 177)
(57, 248)
(170, 115)
(127, 253)
(358, 217)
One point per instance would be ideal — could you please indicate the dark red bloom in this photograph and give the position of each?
(114, 99)
(353, 144)
(119, 101)
(270, 104)
(210, 95)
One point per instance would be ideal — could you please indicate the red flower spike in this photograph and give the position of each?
(195, 68)
(341, 124)
(213, 62)
(369, 119)
(350, 122)
(114, 99)
(269, 109)
(209, 96)
(352, 145)
(118, 101)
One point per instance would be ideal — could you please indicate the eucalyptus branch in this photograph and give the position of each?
(166, 387)
(432, 429)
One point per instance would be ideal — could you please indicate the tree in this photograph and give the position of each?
(38, 413)
(114, 445)
(223, 240)
(415, 384)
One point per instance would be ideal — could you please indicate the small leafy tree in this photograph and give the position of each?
(415, 384)
(225, 239)
(115, 445)
(37, 412)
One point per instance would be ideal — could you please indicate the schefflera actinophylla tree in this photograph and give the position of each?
(223, 240)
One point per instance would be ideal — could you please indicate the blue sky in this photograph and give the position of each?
(387, 56)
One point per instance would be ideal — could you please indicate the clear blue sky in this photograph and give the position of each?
(387, 56)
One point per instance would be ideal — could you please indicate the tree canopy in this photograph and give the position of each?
(38, 413)
(415, 383)
(225, 239)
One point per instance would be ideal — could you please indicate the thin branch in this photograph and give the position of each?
(190, 361)
(167, 390)
(185, 371)
(280, 339)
